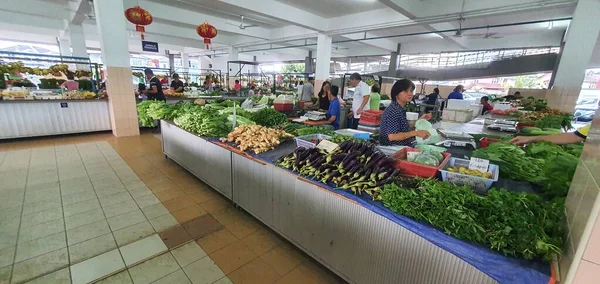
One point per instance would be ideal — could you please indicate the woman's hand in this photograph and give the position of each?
(520, 140)
(422, 133)
(426, 116)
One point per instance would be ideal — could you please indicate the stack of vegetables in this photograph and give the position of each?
(514, 224)
(256, 138)
(268, 117)
(204, 122)
(543, 163)
(356, 166)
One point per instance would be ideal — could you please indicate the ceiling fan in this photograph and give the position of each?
(241, 25)
(486, 35)
(460, 20)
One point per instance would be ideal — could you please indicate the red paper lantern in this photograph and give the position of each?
(139, 17)
(206, 31)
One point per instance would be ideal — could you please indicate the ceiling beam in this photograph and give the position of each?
(17, 18)
(282, 12)
(35, 7)
(78, 10)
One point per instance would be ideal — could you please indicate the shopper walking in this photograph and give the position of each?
(360, 98)
(308, 90)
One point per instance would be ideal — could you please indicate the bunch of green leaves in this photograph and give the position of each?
(558, 169)
(291, 127)
(555, 121)
(315, 130)
(268, 117)
(515, 224)
(143, 115)
(342, 138)
(160, 110)
(513, 162)
(204, 122)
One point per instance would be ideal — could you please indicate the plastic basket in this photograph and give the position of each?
(412, 169)
(306, 141)
(478, 184)
(372, 117)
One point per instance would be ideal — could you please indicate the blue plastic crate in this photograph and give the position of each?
(478, 184)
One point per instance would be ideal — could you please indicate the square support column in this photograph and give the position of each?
(323, 61)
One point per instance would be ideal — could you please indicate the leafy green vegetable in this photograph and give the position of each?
(512, 162)
(268, 117)
(515, 224)
(315, 130)
(204, 122)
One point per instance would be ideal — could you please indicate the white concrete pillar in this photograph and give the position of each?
(185, 62)
(64, 47)
(578, 48)
(580, 41)
(112, 31)
(233, 56)
(78, 41)
(323, 57)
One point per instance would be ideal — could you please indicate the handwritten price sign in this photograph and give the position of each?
(479, 165)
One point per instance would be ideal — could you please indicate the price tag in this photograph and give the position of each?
(327, 145)
(410, 156)
(479, 164)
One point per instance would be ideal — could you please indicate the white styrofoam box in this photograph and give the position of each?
(502, 106)
(463, 115)
(412, 116)
(476, 108)
(449, 114)
(458, 104)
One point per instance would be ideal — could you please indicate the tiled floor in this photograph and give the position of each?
(85, 208)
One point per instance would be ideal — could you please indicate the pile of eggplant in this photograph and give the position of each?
(356, 166)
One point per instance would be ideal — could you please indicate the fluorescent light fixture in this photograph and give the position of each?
(438, 35)
(550, 25)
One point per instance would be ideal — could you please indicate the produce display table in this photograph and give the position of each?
(356, 238)
(52, 117)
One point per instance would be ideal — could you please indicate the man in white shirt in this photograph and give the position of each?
(308, 90)
(360, 98)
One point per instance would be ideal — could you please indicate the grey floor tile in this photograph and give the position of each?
(133, 233)
(126, 220)
(41, 217)
(78, 197)
(41, 195)
(97, 267)
(188, 253)
(84, 218)
(86, 232)
(155, 210)
(147, 200)
(177, 277)
(69, 190)
(204, 270)
(11, 213)
(30, 208)
(81, 207)
(5, 273)
(7, 255)
(59, 277)
(139, 192)
(115, 198)
(40, 246)
(142, 250)
(34, 267)
(41, 230)
(119, 278)
(163, 222)
(154, 269)
(120, 208)
(92, 247)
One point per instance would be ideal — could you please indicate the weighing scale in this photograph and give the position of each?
(314, 115)
(456, 139)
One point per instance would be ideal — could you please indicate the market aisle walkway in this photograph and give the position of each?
(84, 208)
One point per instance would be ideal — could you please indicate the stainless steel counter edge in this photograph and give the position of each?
(352, 241)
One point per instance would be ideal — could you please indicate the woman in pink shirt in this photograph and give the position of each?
(70, 84)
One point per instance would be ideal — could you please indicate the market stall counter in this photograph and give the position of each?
(30, 118)
(357, 238)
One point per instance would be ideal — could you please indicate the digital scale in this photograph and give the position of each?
(504, 126)
(456, 139)
(314, 115)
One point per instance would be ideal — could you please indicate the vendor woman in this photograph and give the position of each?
(333, 113)
(395, 128)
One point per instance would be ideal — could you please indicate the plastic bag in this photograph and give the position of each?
(427, 159)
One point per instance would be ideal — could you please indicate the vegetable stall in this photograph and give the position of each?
(352, 208)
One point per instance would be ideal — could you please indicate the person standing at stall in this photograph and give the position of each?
(299, 88)
(308, 90)
(485, 101)
(176, 84)
(154, 91)
(457, 93)
(237, 86)
(324, 96)
(70, 84)
(360, 98)
(374, 97)
(395, 128)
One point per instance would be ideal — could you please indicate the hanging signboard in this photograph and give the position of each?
(149, 46)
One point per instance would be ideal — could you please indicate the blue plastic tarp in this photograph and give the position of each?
(499, 267)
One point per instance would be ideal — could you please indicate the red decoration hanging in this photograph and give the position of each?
(206, 31)
(139, 17)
